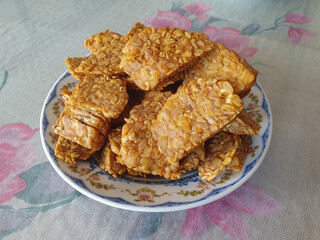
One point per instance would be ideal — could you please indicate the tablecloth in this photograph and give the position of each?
(280, 39)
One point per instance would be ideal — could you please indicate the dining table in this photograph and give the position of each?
(279, 39)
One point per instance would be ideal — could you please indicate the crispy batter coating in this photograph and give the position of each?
(135, 98)
(73, 63)
(153, 56)
(70, 151)
(108, 95)
(193, 159)
(243, 124)
(100, 64)
(138, 27)
(66, 96)
(114, 137)
(76, 131)
(109, 154)
(223, 64)
(241, 154)
(220, 149)
(198, 110)
(138, 148)
(90, 117)
(105, 42)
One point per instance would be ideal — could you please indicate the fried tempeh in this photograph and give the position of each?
(105, 42)
(92, 118)
(223, 64)
(70, 151)
(107, 50)
(153, 56)
(100, 64)
(138, 148)
(76, 131)
(108, 95)
(220, 149)
(135, 98)
(198, 110)
(243, 124)
(241, 154)
(111, 153)
(193, 159)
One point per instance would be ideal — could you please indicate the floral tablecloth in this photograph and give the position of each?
(278, 38)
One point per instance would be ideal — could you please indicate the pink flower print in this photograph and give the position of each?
(199, 9)
(202, 185)
(168, 18)
(250, 149)
(85, 171)
(10, 187)
(296, 34)
(16, 156)
(232, 39)
(145, 196)
(250, 106)
(253, 114)
(228, 212)
(297, 18)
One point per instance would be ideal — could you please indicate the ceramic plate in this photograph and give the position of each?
(153, 194)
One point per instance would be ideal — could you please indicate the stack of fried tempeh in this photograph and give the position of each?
(201, 125)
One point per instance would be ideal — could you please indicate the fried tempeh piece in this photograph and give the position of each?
(224, 64)
(100, 64)
(135, 98)
(243, 124)
(108, 95)
(193, 159)
(105, 42)
(153, 56)
(90, 117)
(198, 110)
(138, 148)
(220, 149)
(73, 63)
(107, 50)
(110, 154)
(70, 151)
(241, 154)
(76, 131)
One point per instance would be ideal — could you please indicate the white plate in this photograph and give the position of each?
(156, 194)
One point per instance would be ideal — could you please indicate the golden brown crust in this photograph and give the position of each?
(135, 98)
(197, 111)
(243, 124)
(138, 148)
(224, 64)
(241, 154)
(153, 56)
(105, 42)
(220, 149)
(193, 159)
(100, 64)
(108, 95)
(69, 151)
(72, 63)
(90, 117)
(78, 132)
(138, 27)
(111, 153)
(109, 160)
